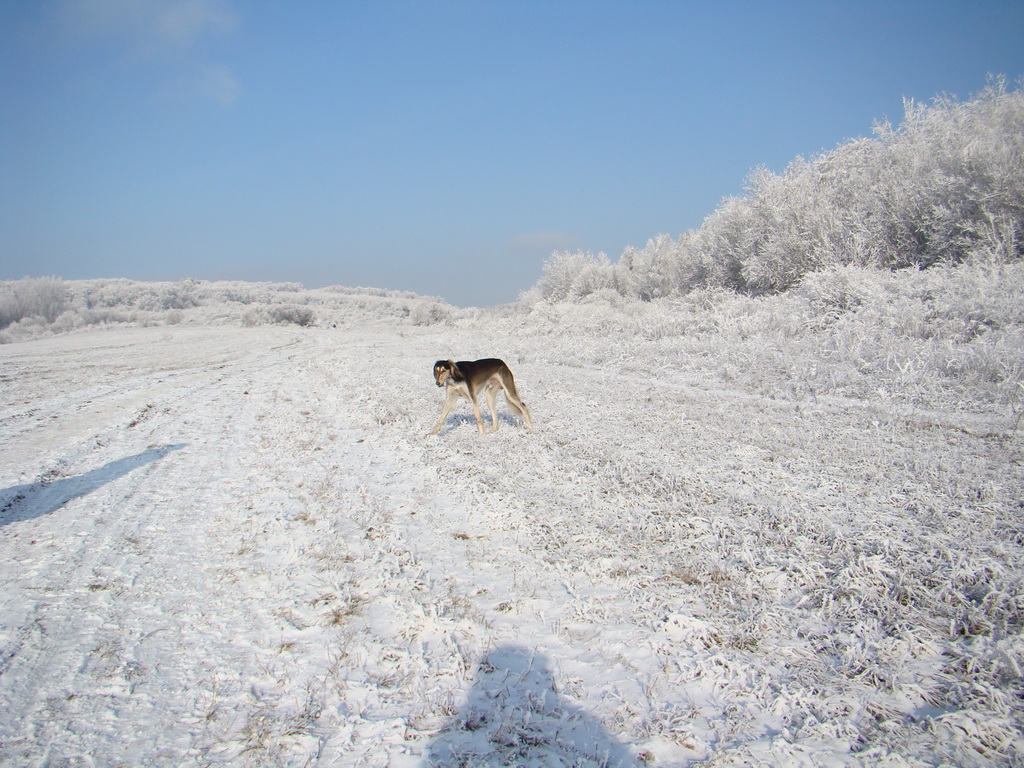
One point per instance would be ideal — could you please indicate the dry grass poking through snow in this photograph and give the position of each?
(775, 574)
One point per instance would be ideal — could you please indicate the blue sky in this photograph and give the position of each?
(445, 148)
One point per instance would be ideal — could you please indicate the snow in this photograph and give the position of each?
(238, 546)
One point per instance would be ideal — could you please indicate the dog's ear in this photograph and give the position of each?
(453, 370)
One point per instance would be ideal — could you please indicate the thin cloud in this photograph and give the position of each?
(218, 84)
(164, 33)
(185, 22)
(148, 26)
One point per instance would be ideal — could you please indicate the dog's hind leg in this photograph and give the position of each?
(517, 406)
(476, 413)
(492, 402)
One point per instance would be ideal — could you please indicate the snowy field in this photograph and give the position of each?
(237, 546)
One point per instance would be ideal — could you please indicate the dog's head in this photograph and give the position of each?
(444, 370)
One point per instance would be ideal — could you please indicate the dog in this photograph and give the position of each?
(467, 377)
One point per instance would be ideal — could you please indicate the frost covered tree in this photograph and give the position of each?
(946, 184)
(573, 275)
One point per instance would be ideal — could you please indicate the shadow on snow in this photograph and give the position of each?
(24, 502)
(464, 419)
(514, 716)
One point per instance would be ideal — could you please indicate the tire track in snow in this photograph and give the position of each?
(81, 607)
(64, 393)
(66, 587)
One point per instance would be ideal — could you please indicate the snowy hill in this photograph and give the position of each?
(767, 531)
(31, 308)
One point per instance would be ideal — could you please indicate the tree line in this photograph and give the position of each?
(945, 185)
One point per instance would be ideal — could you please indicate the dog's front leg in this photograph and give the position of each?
(449, 401)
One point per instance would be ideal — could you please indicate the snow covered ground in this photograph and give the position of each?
(237, 546)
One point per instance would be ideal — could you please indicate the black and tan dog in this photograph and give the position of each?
(467, 377)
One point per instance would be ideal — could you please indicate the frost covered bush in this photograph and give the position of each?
(429, 313)
(569, 276)
(180, 295)
(657, 270)
(279, 315)
(292, 315)
(41, 299)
